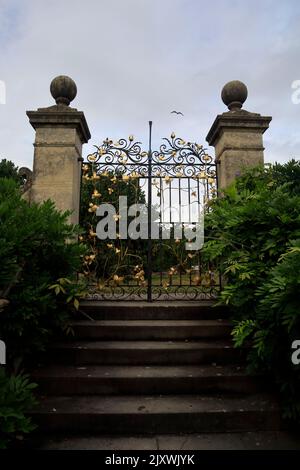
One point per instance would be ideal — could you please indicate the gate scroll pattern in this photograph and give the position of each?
(176, 182)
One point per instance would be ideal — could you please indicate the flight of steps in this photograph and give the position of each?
(138, 368)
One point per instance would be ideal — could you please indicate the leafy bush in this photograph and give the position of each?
(109, 261)
(114, 262)
(36, 249)
(9, 170)
(16, 399)
(38, 284)
(255, 238)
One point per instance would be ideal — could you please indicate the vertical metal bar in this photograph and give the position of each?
(170, 226)
(199, 208)
(160, 228)
(189, 198)
(217, 163)
(149, 270)
(180, 221)
(80, 159)
(170, 202)
(190, 218)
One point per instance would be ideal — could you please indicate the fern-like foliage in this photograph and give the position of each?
(16, 399)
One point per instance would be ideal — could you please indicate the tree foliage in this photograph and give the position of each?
(110, 261)
(36, 249)
(9, 170)
(16, 399)
(254, 235)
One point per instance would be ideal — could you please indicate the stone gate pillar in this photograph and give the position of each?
(237, 135)
(60, 133)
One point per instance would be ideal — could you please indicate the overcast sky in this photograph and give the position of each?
(135, 60)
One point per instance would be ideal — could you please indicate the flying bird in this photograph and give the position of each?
(177, 112)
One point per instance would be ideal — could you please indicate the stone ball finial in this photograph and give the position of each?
(63, 89)
(234, 94)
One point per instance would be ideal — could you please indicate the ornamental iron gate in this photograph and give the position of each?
(169, 189)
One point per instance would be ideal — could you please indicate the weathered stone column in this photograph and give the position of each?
(60, 133)
(237, 135)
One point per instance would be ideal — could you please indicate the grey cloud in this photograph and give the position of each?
(135, 60)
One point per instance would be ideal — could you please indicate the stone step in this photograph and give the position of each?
(144, 352)
(160, 310)
(89, 380)
(255, 440)
(151, 329)
(156, 414)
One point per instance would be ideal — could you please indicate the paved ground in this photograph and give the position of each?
(212, 441)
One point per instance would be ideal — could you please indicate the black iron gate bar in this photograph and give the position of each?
(149, 255)
(175, 160)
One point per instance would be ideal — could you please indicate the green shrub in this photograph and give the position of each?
(254, 235)
(36, 249)
(108, 258)
(40, 257)
(16, 399)
(9, 170)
